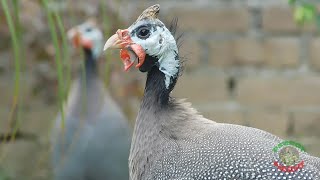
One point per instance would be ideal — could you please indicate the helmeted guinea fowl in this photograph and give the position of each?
(95, 142)
(171, 140)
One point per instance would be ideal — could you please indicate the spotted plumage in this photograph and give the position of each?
(171, 141)
(180, 144)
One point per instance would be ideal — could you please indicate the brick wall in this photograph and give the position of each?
(247, 63)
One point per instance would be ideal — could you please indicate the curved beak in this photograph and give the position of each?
(130, 51)
(113, 42)
(119, 40)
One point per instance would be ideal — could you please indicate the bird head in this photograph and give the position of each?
(149, 42)
(87, 36)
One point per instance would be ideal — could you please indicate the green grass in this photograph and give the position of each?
(65, 52)
(18, 68)
(15, 32)
(58, 58)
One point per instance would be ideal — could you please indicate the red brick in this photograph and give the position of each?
(279, 91)
(214, 20)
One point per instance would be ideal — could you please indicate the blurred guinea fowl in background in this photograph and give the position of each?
(94, 142)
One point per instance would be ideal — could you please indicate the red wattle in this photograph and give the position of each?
(124, 55)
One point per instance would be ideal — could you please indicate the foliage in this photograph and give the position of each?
(305, 12)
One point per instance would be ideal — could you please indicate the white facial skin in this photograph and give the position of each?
(90, 32)
(159, 43)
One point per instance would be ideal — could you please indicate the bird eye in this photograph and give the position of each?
(143, 33)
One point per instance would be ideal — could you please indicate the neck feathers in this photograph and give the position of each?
(86, 96)
(155, 90)
(90, 63)
(161, 80)
(169, 65)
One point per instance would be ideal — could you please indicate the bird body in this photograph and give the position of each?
(95, 140)
(171, 141)
(174, 142)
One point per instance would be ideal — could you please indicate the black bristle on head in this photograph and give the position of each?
(173, 28)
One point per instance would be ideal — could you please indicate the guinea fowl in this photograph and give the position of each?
(171, 140)
(95, 143)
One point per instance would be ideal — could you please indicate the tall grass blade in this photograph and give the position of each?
(53, 32)
(13, 120)
(65, 52)
(19, 64)
(17, 58)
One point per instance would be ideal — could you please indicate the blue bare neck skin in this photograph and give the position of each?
(90, 64)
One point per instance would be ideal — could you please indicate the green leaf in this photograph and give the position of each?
(299, 14)
(309, 12)
(304, 13)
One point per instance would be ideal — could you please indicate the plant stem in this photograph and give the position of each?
(54, 37)
(17, 58)
(65, 52)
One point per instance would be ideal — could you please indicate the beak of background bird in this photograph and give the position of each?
(78, 40)
(129, 50)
